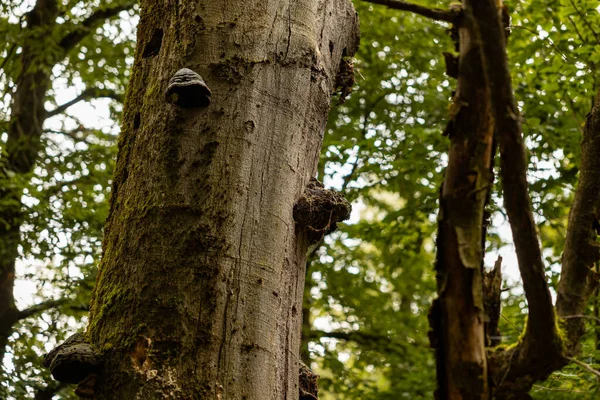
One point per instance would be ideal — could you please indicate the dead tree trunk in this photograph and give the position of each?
(458, 314)
(199, 294)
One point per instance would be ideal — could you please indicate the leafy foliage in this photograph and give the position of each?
(384, 147)
(370, 285)
(65, 197)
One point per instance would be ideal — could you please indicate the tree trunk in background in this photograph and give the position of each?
(457, 316)
(578, 278)
(199, 294)
(44, 43)
(21, 151)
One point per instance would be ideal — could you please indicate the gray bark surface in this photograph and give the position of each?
(199, 294)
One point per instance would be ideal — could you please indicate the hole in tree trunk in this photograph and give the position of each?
(153, 46)
(137, 121)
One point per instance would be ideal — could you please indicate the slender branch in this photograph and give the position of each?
(541, 345)
(558, 389)
(55, 189)
(38, 308)
(71, 134)
(364, 338)
(584, 366)
(86, 26)
(564, 57)
(49, 391)
(87, 94)
(432, 13)
(348, 178)
(582, 317)
(9, 54)
(513, 171)
(577, 30)
(585, 21)
(511, 324)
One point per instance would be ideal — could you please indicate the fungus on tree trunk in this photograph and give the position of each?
(319, 210)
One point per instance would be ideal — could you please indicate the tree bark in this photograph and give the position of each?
(199, 294)
(457, 316)
(578, 277)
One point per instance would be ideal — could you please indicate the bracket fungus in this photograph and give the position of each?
(309, 386)
(187, 89)
(319, 210)
(73, 360)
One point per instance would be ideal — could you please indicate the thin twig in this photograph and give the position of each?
(433, 13)
(87, 94)
(83, 28)
(510, 323)
(557, 389)
(582, 316)
(584, 366)
(585, 21)
(37, 308)
(564, 57)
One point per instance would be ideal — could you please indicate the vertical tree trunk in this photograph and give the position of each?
(199, 294)
(21, 151)
(578, 278)
(458, 313)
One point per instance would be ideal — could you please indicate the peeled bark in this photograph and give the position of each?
(458, 314)
(199, 294)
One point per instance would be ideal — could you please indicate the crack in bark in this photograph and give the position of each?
(289, 39)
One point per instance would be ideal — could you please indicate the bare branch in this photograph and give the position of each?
(86, 26)
(584, 366)
(432, 13)
(537, 34)
(87, 94)
(585, 21)
(38, 308)
(514, 172)
(582, 317)
(49, 391)
(372, 340)
(9, 54)
(541, 344)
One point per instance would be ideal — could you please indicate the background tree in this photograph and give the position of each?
(54, 170)
(551, 172)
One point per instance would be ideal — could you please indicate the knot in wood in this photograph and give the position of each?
(73, 360)
(319, 210)
(309, 385)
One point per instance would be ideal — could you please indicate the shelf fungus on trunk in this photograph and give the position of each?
(74, 361)
(187, 89)
(319, 210)
(309, 386)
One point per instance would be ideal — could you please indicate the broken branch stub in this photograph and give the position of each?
(319, 210)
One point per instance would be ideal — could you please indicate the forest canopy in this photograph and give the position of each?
(369, 285)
